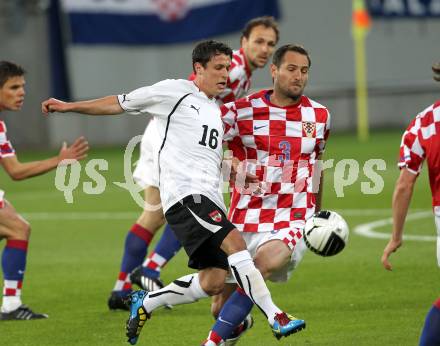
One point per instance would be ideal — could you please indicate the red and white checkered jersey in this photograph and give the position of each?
(239, 80)
(422, 140)
(6, 148)
(280, 146)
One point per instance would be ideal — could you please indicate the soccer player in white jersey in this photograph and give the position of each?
(420, 142)
(13, 227)
(190, 157)
(258, 40)
(280, 134)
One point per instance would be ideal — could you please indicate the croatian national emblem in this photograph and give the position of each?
(215, 215)
(171, 10)
(309, 128)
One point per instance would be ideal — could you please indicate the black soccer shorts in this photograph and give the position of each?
(200, 225)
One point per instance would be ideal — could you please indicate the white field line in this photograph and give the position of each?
(365, 230)
(78, 216)
(123, 215)
(39, 194)
(55, 215)
(368, 229)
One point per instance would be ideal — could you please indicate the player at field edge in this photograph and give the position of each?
(281, 134)
(258, 40)
(190, 158)
(13, 227)
(420, 142)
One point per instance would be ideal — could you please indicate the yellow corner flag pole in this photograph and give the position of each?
(360, 24)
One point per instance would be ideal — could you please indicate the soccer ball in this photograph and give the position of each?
(326, 233)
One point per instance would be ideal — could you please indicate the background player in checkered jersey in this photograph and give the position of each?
(191, 187)
(258, 40)
(13, 227)
(420, 141)
(280, 134)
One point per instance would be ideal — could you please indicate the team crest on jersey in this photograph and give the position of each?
(215, 215)
(309, 128)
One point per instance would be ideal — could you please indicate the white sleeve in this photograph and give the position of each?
(138, 101)
(150, 100)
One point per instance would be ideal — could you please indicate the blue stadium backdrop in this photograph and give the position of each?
(404, 8)
(140, 22)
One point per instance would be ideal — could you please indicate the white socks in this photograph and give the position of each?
(187, 289)
(11, 303)
(184, 290)
(251, 281)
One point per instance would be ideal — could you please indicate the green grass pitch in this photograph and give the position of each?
(75, 252)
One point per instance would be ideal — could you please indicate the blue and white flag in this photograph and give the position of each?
(140, 22)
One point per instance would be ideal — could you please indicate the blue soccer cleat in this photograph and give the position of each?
(285, 325)
(138, 316)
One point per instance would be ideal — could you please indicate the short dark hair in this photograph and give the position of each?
(266, 21)
(278, 56)
(8, 70)
(204, 51)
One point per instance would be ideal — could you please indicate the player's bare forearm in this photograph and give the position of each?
(401, 200)
(108, 105)
(20, 171)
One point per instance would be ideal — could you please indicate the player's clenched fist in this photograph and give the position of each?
(54, 105)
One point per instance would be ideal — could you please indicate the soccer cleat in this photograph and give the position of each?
(22, 313)
(239, 331)
(146, 283)
(138, 316)
(117, 302)
(285, 325)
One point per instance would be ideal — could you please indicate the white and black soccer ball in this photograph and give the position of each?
(326, 233)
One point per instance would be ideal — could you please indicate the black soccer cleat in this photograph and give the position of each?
(144, 282)
(117, 302)
(23, 313)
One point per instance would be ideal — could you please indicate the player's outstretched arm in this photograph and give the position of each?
(401, 200)
(19, 171)
(107, 105)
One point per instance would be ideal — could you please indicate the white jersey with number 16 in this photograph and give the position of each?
(190, 130)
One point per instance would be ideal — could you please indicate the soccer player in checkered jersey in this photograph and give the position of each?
(280, 134)
(258, 40)
(191, 132)
(420, 142)
(13, 227)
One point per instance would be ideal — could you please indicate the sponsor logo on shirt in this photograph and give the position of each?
(259, 127)
(124, 98)
(195, 108)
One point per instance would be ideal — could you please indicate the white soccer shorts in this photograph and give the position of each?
(146, 172)
(255, 240)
